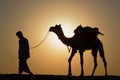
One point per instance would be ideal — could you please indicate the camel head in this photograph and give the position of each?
(56, 29)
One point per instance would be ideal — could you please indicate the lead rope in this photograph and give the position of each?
(69, 48)
(41, 41)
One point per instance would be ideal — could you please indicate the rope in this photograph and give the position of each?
(41, 41)
(69, 48)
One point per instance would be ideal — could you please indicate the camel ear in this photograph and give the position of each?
(60, 25)
(56, 25)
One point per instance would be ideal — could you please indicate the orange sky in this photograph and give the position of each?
(35, 17)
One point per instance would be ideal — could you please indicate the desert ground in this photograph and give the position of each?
(54, 77)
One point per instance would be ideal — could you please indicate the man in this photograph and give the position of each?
(23, 53)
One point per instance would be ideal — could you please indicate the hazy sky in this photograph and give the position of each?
(35, 17)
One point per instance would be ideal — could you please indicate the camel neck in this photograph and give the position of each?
(63, 38)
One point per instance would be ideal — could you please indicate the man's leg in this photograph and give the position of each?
(20, 67)
(26, 68)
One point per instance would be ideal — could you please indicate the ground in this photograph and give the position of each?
(54, 77)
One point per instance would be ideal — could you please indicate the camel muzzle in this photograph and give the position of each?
(51, 29)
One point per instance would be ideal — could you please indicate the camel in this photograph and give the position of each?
(81, 44)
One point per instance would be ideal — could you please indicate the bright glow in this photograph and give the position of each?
(67, 30)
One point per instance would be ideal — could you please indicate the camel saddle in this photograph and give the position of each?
(87, 31)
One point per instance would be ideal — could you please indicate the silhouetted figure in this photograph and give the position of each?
(23, 53)
(81, 41)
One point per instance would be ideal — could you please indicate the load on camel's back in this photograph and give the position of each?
(87, 31)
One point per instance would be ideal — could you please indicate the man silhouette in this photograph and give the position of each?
(23, 54)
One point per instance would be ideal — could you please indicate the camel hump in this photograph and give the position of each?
(87, 30)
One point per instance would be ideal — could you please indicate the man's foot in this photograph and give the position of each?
(30, 74)
(19, 75)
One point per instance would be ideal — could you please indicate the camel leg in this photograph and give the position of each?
(94, 53)
(69, 61)
(104, 61)
(101, 50)
(81, 62)
(105, 65)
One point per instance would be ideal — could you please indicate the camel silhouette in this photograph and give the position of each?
(81, 43)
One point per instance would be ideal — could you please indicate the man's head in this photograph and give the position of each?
(19, 34)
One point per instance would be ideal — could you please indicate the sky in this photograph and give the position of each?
(35, 17)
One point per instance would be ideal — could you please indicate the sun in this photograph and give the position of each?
(67, 29)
